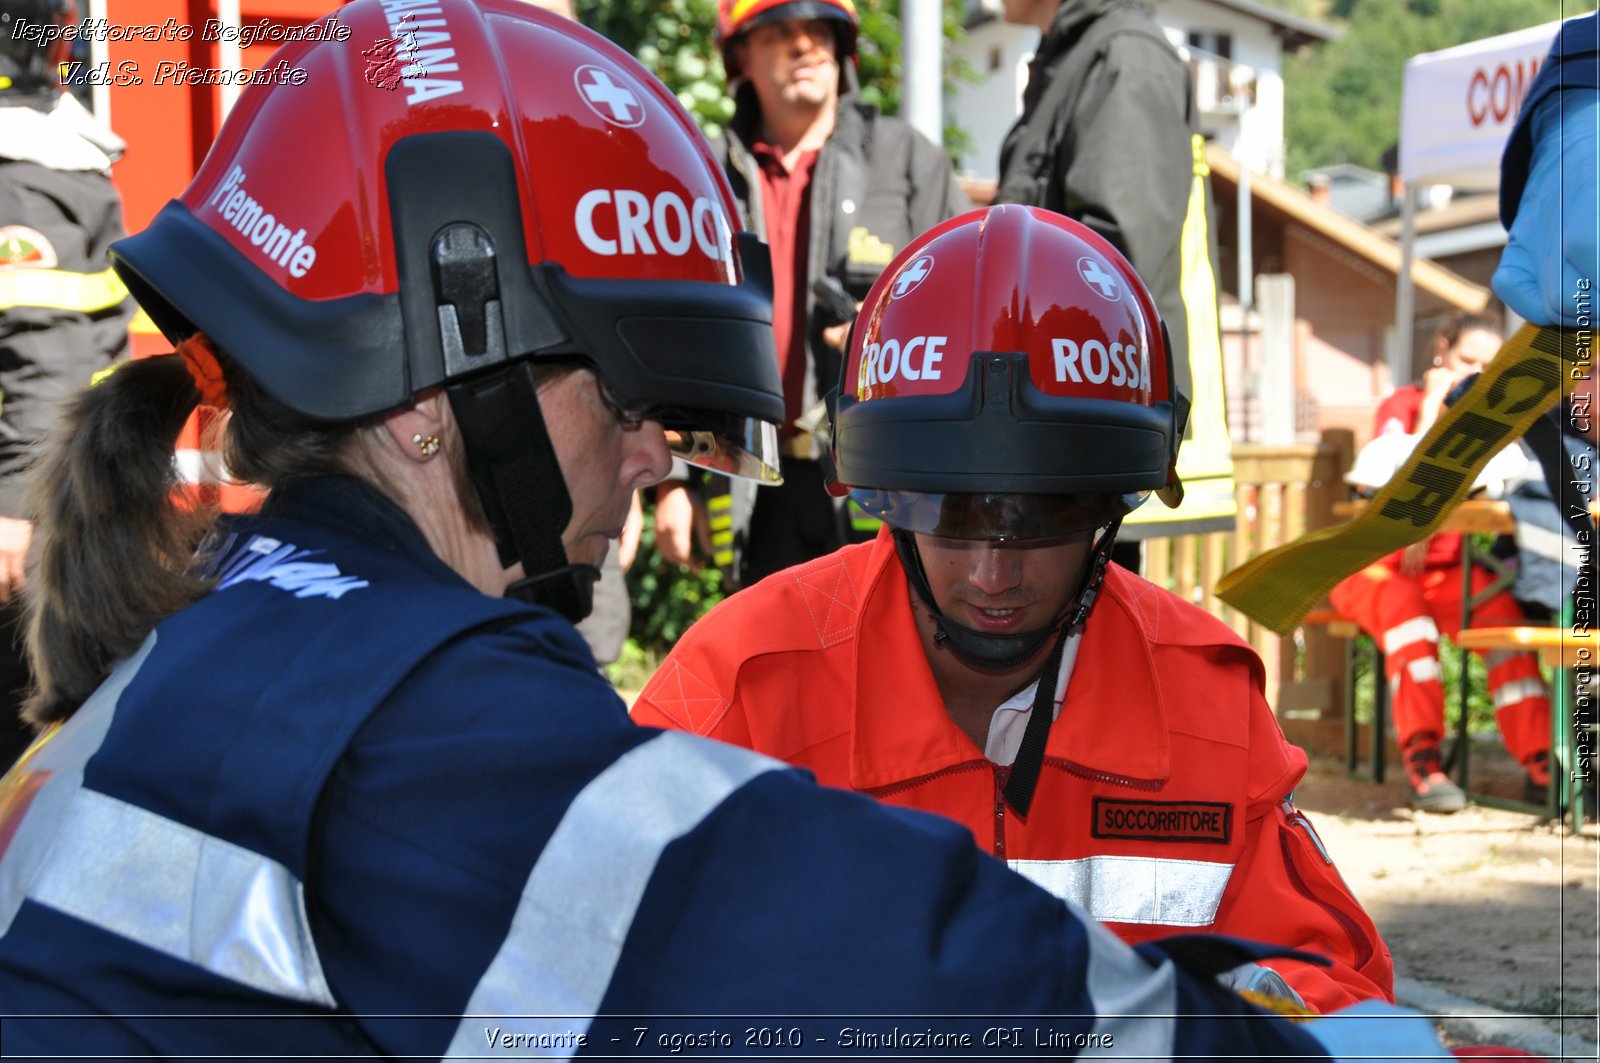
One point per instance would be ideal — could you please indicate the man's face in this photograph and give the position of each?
(1004, 588)
(792, 63)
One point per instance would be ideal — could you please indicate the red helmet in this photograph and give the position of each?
(738, 17)
(444, 200)
(515, 186)
(1008, 377)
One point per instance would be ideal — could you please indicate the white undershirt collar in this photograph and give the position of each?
(1010, 720)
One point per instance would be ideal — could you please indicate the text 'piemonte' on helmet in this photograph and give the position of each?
(523, 193)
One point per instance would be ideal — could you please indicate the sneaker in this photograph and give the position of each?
(1536, 787)
(1538, 768)
(1431, 788)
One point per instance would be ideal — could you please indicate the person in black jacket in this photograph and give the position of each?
(63, 313)
(1109, 137)
(836, 189)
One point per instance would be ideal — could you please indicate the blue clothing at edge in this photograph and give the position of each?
(1548, 197)
(1572, 63)
(345, 785)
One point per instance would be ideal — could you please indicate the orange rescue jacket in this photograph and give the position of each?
(1164, 802)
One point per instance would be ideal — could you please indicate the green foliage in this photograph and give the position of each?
(666, 598)
(633, 667)
(673, 39)
(1343, 98)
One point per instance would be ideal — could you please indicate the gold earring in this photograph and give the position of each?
(429, 445)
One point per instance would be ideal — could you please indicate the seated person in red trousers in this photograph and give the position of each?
(1405, 600)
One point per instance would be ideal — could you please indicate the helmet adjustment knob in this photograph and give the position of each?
(467, 288)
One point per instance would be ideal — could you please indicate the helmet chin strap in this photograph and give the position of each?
(1001, 652)
(519, 481)
(508, 449)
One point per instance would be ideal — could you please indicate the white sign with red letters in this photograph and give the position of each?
(1459, 105)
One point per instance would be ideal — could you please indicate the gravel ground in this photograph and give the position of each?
(1491, 916)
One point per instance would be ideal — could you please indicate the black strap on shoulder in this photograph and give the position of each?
(520, 484)
(1024, 775)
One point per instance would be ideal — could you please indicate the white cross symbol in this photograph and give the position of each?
(912, 275)
(618, 99)
(1105, 284)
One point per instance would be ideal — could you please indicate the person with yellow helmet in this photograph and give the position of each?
(836, 189)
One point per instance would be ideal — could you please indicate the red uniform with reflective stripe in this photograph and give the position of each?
(1163, 802)
(1407, 613)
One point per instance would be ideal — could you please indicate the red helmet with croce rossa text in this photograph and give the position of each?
(452, 198)
(1008, 378)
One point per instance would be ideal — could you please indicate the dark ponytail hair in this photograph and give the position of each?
(115, 539)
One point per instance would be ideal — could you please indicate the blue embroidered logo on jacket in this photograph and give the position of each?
(281, 565)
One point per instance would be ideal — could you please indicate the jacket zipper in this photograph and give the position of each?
(1002, 773)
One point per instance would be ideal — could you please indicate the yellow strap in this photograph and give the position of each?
(1278, 588)
(1281, 1005)
(60, 289)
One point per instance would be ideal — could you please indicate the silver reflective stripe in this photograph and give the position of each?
(1135, 889)
(1424, 669)
(1495, 658)
(149, 879)
(1547, 543)
(580, 900)
(1417, 629)
(182, 892)
(59, 760)
(1134, 1004)
(1518, 690)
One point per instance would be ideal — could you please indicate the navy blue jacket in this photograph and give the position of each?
(347, 805)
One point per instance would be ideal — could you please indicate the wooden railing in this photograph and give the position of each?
(1283, 492)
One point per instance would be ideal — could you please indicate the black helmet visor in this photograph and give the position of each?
(996, 517)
